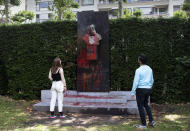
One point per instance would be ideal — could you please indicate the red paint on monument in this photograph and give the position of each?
(88, 66)
(91, 46)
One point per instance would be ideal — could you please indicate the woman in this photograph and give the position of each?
(56, 75)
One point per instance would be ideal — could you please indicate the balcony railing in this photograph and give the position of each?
(107, 2)
(165, 15)
(128, 1)
(41, 20)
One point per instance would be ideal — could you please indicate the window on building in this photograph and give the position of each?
(43, 6)
(76, 1)
(176, 8)
(146, 10)
(113, 12)
(144, 0)
(87, 2)
(107, 1)
(37, 18)
(163, 10)
(154, 10)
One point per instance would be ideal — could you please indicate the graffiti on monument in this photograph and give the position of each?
(93, 55)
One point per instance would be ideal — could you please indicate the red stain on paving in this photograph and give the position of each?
(83, 104)
(90, 97)
(76, 104)
(88, 104)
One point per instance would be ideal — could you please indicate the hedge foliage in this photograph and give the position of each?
(162, 40)
(26, 53)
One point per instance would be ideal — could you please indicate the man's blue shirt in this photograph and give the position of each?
(143, 78)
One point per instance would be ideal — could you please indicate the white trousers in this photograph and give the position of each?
(56, 93)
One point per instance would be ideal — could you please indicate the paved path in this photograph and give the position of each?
(76, 119)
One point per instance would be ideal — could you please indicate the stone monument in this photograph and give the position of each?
(93, 93)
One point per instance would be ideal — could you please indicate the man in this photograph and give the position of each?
(142, 85)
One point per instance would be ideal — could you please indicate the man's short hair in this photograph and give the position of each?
(143, 58)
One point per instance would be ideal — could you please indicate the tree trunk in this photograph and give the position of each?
(120, 8)
(59, 15)
(7, 11)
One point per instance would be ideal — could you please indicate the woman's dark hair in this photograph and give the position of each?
(143, 58)
(56, 64)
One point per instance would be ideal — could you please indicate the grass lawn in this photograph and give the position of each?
(18, 116)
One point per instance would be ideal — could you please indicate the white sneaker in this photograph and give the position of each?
(140, 126)
(153, 123)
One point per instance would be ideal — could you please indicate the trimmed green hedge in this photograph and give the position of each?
(26, 53)
(162, 40)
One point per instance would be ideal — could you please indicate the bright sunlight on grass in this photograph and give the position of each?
(16, 115)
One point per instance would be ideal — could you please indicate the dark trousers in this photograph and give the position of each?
(142, 97)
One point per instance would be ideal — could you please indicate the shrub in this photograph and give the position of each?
(26, 53)
(137, 13)
(180, 14)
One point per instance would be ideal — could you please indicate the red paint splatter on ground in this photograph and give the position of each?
(83, 104)
(76, 103)
(90, 97)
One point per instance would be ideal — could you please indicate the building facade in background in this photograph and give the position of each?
(149, 8)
